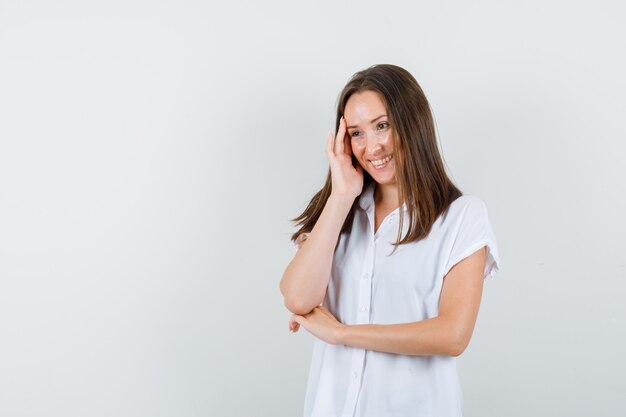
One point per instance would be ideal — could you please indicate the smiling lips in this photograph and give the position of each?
(380, 163)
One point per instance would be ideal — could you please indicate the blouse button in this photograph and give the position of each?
(363, 309)
(365, 276)
(355, 375)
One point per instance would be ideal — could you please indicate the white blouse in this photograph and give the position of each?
(368, 286)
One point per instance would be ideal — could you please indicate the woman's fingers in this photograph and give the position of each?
(346, 180)
(341, 137)
(293, 324)
(348, 147)
(330, 144)
(325, 312)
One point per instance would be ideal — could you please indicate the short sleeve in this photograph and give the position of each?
(300, 240)
(471, 232)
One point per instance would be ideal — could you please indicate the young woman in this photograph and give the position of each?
(390, 302)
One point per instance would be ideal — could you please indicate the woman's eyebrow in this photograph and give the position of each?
(372, 121)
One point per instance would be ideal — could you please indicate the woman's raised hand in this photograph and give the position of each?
(347, 181)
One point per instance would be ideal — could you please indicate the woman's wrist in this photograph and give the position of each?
(342, 334)
(342, 200)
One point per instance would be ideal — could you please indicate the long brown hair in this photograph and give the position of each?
(421, 178)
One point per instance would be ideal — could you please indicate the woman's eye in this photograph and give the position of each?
(355, 133)
(383, 125)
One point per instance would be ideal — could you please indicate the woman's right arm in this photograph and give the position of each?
(305, 279)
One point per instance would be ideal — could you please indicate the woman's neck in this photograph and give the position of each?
(386, 196)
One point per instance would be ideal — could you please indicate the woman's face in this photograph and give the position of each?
(371, 135)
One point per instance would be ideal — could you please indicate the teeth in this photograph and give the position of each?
(382, 161)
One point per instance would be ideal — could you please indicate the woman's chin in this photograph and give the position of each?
(385, 178)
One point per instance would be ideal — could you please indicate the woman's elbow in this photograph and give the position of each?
(455, 350)
(457, 344)
(296, 302)
(293, 304)
(297, 306)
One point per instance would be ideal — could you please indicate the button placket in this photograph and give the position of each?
(365, 288)
(358, 358)
(363, 309)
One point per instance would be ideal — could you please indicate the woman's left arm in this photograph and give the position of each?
(447, 334)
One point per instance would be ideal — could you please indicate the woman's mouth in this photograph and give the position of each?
(381, 163)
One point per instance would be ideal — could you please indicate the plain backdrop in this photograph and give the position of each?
(152, 154)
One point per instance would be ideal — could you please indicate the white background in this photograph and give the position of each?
(152, 154)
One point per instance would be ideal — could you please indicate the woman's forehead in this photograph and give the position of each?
(364, 107)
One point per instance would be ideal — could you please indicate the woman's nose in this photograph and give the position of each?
(373, 144)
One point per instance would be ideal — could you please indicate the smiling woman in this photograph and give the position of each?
(393, 315)
(371, 139)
